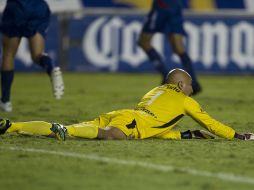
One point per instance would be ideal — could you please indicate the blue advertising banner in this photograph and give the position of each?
(217, 44)
(108, 43)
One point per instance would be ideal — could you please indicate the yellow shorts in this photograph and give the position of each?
(134, 124)
(121, 119)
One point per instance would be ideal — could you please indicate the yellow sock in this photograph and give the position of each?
(31, 128)
(82, 130)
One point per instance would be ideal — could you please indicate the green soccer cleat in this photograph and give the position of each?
(4, 125)
(59, 130)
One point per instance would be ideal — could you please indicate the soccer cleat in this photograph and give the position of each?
(57, 82)
(6, 107)
(4, 125)
(201, 134)
(59, 130)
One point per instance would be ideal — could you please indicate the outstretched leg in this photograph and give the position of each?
(34, 128)
(88, 130)
(31, 128)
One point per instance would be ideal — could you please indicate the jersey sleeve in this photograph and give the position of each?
(193, 109)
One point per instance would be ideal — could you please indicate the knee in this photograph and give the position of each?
(177, 46)
(144, 42)
(178, 49)
(36, 58)
(111, 133)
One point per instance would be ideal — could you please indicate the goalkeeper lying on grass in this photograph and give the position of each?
(155, 116)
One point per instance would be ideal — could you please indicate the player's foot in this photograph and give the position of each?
(57, 82)
(6, 107)
(4, 125)
(201, 134)
(59, 130)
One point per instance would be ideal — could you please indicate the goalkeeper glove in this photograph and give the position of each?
(244, 136)
(197, 134)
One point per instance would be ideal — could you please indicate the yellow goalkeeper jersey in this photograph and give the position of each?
(157, 114)
(163, 107)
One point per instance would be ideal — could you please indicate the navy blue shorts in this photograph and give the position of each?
(25, 18)
(164, 20)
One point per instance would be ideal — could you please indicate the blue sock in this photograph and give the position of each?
(157, 61)
(46, 63)
(187, 66)
(6, 82)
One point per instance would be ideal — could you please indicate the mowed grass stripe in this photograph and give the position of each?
(157, 167)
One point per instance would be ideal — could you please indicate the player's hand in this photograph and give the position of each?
(245, 136)
(201, 134)
(248, 136)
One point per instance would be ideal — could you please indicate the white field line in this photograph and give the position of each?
(157, 167)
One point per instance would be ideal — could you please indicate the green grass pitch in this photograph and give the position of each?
(145, 164)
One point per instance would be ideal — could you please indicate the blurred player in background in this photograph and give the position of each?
(155, 116)
(166, 17)
(30, 19)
